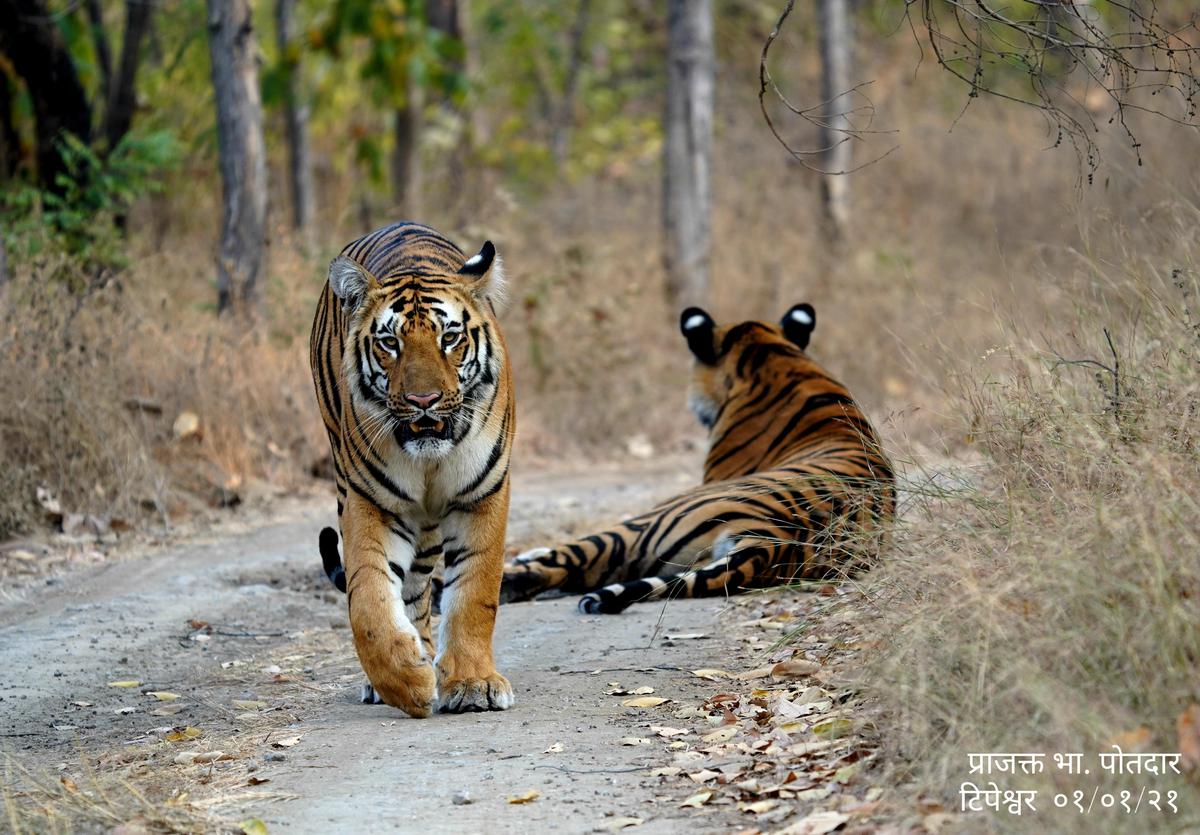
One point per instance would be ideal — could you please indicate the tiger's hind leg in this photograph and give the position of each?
(736, 565)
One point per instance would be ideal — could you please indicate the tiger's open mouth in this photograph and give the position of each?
(426, 426)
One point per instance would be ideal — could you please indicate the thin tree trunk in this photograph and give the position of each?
(687, 197)
(10, 142)
(566, 113)
(100, 45)
(122, 101)
(836, 46)
(480, 129)
(295, 113)
(406, 153)
(240, 145)
(30, 39)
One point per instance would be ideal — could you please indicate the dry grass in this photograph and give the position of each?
(1052, 603)
(93, 385)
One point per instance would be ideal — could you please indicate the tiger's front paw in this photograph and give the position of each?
(412, 688)
(492, 692)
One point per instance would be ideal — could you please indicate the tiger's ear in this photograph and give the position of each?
(350, 282)
(798, 324)
(484, 272)
(697, 327)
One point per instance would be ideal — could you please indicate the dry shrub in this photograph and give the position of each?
(1053, 603)
(94, 381)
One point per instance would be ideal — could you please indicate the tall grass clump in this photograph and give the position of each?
(125, 399)
(1053, 603)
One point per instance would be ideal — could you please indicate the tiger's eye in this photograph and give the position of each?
(389, 343)
(450, 338)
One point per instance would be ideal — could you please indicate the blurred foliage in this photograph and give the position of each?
(83, 219)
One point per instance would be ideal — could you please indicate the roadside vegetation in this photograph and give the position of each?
(1026, 337)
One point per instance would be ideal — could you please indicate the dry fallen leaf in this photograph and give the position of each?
(527, 797)
(645, 701)
(82, 704)
(163, 695)
(69, 785)
(287, 742)
(758, 807)
(666, 771)
(182, 734)
(187, 425)
(794, 668)
(166, 710)
(938, 821)
(723, 734)
(818, 823)
(617, 824)
(556, 748)
(751, 675)
(641, 691)
(833, 728)
(253, 826)
(697, 800)
(712, 675)
(126, 683)
(634, 740)
(659, 730)
(686, 636)
(190, 757)
(704, 775)
(1136, 741)
(1188, 729)
(254, 780)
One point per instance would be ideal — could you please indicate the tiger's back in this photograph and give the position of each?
(795, 483)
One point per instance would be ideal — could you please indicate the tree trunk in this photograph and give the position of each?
(566, 113)
(406, 153)
(480, 130)
(10, 142)
(688, 129)
(30, 39)
(836, 55)
(240, 145)
(295, 113)
(100, 45)
(122, 101)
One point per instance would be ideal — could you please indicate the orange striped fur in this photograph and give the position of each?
(795, 483)
(413, 381)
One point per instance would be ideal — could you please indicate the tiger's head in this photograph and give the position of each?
(730, 360)
(423, 354)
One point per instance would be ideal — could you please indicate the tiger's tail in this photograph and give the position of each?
(331, 559)
(737, 564)
(576, 567)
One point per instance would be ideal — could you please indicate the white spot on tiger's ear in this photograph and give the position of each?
(694, 322)
(492, 287)
(802, 317)
(474, 260)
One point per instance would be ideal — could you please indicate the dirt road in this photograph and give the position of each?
(233, 648)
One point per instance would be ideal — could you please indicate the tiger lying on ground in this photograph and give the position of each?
(795, 484)
(413, 382)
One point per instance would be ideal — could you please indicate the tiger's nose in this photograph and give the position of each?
(423, 401)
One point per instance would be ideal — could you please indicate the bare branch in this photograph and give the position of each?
(1079, 66)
